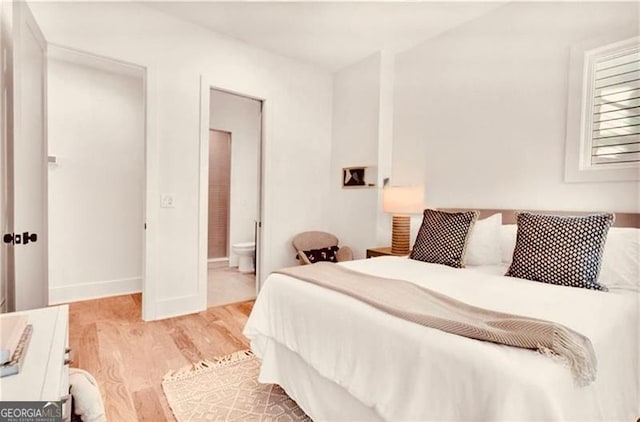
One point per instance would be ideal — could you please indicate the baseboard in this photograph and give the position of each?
(94, 290)
(211, 260)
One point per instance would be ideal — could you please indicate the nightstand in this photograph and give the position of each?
(382, 251)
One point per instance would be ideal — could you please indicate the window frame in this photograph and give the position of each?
(578, 167)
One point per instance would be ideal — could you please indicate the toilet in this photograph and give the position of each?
(245, 252)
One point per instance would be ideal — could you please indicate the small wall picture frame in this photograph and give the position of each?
(354, 177)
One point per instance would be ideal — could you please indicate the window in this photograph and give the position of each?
(603, 130)
(615, 110)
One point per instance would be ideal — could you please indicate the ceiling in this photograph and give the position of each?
(331, 35)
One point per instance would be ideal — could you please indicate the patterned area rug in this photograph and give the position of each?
(227, 389)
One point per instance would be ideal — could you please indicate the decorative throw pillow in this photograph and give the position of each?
(442, 238)
(323, 254)
(560, 250)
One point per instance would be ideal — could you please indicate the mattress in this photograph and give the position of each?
(398, 370)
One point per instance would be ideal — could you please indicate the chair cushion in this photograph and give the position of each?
(314, 240)
(322, 254)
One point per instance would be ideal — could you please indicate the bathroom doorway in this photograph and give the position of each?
(235, 126)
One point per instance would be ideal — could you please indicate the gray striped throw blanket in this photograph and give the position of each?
(432, 309)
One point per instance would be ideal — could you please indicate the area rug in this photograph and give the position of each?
(227, 389)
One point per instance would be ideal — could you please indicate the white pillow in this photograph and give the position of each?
(508, 235)
(621, 260)
(483, 247)
(86, 396)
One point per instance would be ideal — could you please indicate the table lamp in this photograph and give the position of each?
(401, 201)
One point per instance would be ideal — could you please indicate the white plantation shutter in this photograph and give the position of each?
(615, 87)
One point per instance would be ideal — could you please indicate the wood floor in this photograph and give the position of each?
(129, 357)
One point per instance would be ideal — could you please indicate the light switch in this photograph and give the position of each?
(167, 200)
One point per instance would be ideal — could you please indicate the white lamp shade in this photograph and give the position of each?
(403, 199)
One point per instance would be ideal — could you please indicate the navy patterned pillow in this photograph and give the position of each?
(560, 250)
(323, 254)
(442, 238)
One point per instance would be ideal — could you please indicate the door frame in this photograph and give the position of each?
(208, 83)
(150, 178)
(6, 139)
(21, 12)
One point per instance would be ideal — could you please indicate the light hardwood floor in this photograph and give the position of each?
(129, 357)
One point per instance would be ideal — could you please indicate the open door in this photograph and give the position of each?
(26, 167)
(6, 132)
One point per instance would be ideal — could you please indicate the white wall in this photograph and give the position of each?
(355, 143)
(385, 141)
(480, 111)
(176, 53)
(240, 116)
(362, 113)
(96, 132)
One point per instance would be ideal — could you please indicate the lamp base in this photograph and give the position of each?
(400, 233)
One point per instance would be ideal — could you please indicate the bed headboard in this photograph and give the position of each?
(623, 219)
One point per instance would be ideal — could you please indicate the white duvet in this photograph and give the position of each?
(404, 371)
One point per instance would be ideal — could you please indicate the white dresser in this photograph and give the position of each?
(44, 375)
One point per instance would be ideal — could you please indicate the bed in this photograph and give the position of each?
(341, 359)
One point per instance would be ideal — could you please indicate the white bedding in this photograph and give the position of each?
(404, 371)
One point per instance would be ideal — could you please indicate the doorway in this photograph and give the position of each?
(24, 143)
(96, 176)
(235, 132)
